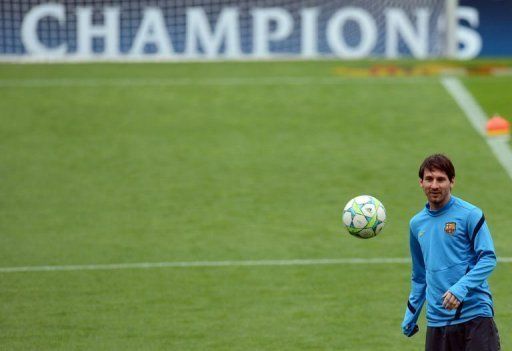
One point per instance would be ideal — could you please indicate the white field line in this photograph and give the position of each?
(207, 264)
(137, 82)
(191, 264)
(478, 119)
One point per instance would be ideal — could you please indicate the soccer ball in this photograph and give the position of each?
(364, 216)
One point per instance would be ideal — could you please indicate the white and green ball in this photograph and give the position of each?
(364, 216)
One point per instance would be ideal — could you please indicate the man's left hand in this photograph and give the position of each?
(450, 302)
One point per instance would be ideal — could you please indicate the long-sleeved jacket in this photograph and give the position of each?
(451, 250)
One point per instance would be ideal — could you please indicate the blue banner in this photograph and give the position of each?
(494, 27)
(249, 29)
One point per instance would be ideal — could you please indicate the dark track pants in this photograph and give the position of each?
(479, 334)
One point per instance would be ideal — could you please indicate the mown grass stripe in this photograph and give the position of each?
(233, 81)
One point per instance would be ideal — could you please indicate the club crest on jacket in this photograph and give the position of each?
(450, 227)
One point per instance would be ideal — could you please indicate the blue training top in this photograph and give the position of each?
(451, 249)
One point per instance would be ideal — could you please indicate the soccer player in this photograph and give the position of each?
(452, 256)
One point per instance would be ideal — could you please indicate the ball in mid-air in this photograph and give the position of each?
(364, 216)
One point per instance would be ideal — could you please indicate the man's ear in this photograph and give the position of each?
(421, 183)
(452, 183)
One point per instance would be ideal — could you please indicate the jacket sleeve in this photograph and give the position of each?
(418, 288)
(485, 255)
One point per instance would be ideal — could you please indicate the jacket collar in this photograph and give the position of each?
(442, 209)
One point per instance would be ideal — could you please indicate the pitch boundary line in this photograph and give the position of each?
(210, 264)
(478, 119)
(236, 81)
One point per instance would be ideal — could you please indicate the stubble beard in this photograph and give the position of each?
(437, 199)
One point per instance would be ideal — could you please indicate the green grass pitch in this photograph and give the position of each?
(108, 163)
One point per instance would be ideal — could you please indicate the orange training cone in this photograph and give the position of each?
(498, 125)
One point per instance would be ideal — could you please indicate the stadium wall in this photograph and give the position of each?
(227, 29)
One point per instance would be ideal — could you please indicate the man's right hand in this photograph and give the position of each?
(410, 330)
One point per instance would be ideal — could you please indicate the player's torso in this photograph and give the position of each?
(444, 240)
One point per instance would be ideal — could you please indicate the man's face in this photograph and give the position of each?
(437, 187)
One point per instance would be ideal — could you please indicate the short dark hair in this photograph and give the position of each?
(438, 162)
